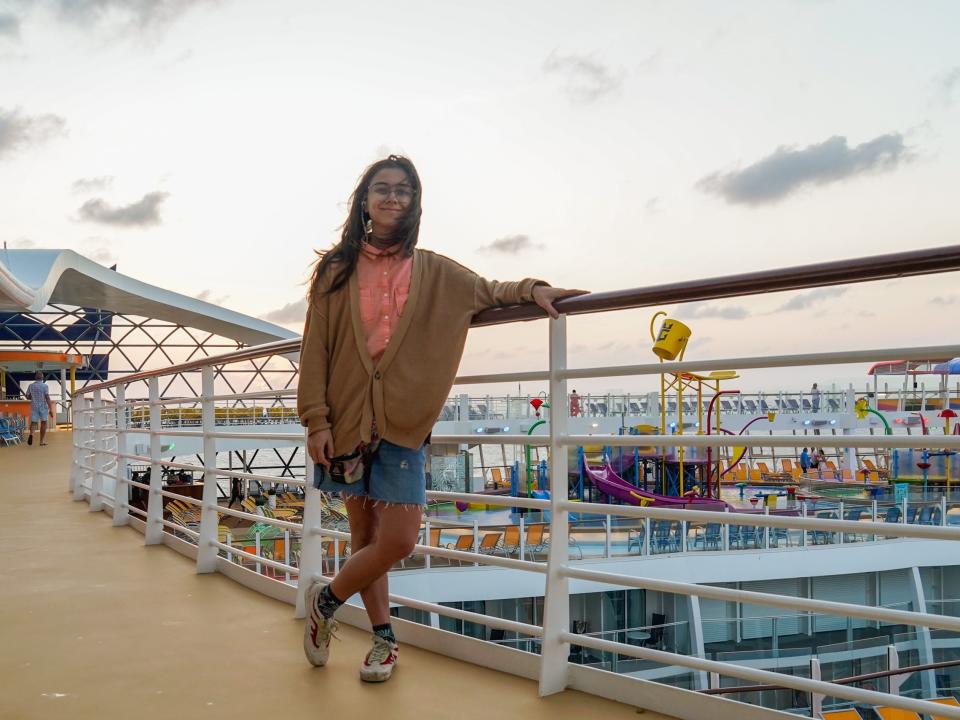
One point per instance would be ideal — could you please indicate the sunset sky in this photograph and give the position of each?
(210, 146)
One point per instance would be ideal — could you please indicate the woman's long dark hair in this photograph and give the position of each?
(353, 233)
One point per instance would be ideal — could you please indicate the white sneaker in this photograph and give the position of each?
(317, 629)
(380, 661)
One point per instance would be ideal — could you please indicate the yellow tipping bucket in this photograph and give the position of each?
(771, 500)
(671, 340)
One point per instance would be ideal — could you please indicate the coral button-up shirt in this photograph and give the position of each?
(383, 277)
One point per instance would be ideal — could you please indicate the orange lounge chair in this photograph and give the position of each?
(889, 713)
(850, 714)
(950, 701)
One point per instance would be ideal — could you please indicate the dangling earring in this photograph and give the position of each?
(367, 224)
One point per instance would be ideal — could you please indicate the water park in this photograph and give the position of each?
(740, 479)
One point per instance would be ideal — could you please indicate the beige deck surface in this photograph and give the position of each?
(93, 624)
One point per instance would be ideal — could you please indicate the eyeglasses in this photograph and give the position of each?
(403, 193)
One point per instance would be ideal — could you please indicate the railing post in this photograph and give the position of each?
(893, 663)
(96, 482)
(207, 551)
(816, 700)
(766, 530)
(607, 533)
(556, 613)
(840, 534)
(121, 494)
(928, 682)
(80, 452)
(803, 535)
(523, 538)
(311, 544)
(154, 530)
(476, 538)
(943, 510)
(426, 541)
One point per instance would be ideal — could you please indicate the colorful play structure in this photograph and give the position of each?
(680, 477)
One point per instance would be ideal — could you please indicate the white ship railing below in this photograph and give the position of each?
(555, 672)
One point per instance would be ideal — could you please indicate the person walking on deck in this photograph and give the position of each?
(385, 330)
(41, 407)
(815, 398)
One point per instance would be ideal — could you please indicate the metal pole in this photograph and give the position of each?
(207, 551)
(154, 530)
(311, 544)
(121, 493)
(556, 614)
(96, 482)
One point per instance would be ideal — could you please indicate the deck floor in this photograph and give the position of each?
(93, 624)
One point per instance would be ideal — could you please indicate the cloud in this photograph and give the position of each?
(143, 213)
(586, 79)
(102, 255)
(22, 244)
(944, 300)
(94, 184)
(787, 170)
(805, 300)
(694, 311)
(289, 314)
(142, 14)
(207, 296)
(510, 245)
(17, 130)
(9, 26)
(949, 85)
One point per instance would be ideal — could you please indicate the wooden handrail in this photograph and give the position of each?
(838, 272)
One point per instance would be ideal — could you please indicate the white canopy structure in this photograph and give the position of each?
(30, 280)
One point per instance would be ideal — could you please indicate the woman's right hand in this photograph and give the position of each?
(320, 447)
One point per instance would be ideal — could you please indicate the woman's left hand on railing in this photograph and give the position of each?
(544, 295)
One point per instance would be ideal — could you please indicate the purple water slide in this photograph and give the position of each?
(612, 485)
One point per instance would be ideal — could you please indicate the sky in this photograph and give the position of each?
(210, 146)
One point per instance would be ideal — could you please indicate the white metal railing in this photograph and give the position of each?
(100, 443)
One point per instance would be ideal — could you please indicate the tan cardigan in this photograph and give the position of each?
(341, 389)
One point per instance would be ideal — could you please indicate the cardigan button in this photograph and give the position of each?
(376, 375)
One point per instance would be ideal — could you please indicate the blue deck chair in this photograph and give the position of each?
(8, 434)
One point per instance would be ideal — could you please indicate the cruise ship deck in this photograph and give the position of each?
(96, 624)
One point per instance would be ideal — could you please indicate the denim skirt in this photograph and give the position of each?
(396, 476)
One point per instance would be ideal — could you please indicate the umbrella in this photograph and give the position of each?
(951, 367)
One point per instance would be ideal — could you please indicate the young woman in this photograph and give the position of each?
(385, 330)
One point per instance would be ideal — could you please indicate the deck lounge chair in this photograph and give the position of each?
(635, 408)
(711, 537)
(490, 543)
(949, 701)
(635, 539)
(8, 433)
(850, 714)
(889, 713)
(464, 543)
(510, 542)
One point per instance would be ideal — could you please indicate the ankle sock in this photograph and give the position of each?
(386, 632)
(327, 602)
